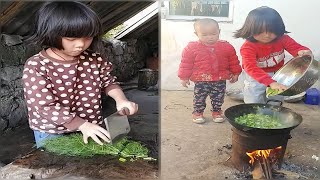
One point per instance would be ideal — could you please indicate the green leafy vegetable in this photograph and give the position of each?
(272, 92)
(134, 149)
(72, 145)
(258, 121)
(122, 159)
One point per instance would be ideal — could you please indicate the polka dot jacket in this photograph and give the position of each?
(59, 92)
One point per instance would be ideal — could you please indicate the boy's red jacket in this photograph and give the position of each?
(208, 63)
(259, 59)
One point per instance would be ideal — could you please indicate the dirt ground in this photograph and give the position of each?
(193, 151)
(17, 146)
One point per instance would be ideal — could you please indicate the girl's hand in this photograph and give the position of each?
(305, 52)
(278, 86)
(93, 130)
(132, 107)
(185, 83)
(233, 78)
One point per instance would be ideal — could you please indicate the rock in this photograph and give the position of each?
(128, 58)
(18, 83)
(132, 42)
(3, 125)
(1, 164)
(70, 177)
(289, 174)
(15, 172)
(315, 157)
(7, 57)
(11, 40)
(12, 56)
(10, 73)
(5, 89)
(119, 60)
(131, 50)
(19, 113)
(6, 105)
(118, 47)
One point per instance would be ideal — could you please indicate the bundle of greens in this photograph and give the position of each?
(272, 92)
(258, 121)
(134, 149)
(73, 145)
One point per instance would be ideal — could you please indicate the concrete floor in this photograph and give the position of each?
(193, 151)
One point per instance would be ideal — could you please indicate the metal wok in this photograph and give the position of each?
(286, 117)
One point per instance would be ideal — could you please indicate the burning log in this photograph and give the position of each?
(257, 172)
(267, 169)
(262, 168)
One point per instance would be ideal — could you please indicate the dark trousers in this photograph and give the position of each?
(215, 90)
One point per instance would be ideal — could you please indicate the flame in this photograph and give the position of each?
(260, 153)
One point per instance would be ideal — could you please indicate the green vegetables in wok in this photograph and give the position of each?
(258, 121)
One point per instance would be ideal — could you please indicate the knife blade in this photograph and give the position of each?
(117, 125)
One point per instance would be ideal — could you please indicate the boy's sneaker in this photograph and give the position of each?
(198, 118)
(218, 117)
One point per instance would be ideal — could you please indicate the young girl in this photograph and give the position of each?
(208, 62)
(63, 83)
(263, 52)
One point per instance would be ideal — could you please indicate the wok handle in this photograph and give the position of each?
(274, 100)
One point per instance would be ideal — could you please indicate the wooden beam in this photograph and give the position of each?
(145, 28)
(134, 8)
(25, 23)
(11, 11)
(116, 12)
(104, 8)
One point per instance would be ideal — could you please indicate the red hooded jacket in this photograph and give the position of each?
(208, 63)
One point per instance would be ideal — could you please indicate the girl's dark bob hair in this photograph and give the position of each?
(259, 20)
(58, 19)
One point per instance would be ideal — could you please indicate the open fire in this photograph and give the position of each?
(260, 149)
(263, 162)
(261, 154)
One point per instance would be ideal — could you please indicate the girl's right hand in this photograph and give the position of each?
(278, 86)
(185, 83)
(305, 52)
(93, 130)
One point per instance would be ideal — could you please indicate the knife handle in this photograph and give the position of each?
(125, 111)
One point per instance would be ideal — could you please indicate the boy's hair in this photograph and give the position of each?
(66, 19)
(259, 20)
(204, 21)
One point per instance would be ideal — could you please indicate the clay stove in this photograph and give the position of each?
(258, 152)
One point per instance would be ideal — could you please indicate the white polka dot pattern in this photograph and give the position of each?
(58, 92)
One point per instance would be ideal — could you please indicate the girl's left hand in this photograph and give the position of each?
(305, 52)
(133, 107)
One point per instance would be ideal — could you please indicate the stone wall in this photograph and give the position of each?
(127, 57)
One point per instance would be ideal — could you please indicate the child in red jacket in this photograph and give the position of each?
(208, 62)
(263, 52)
